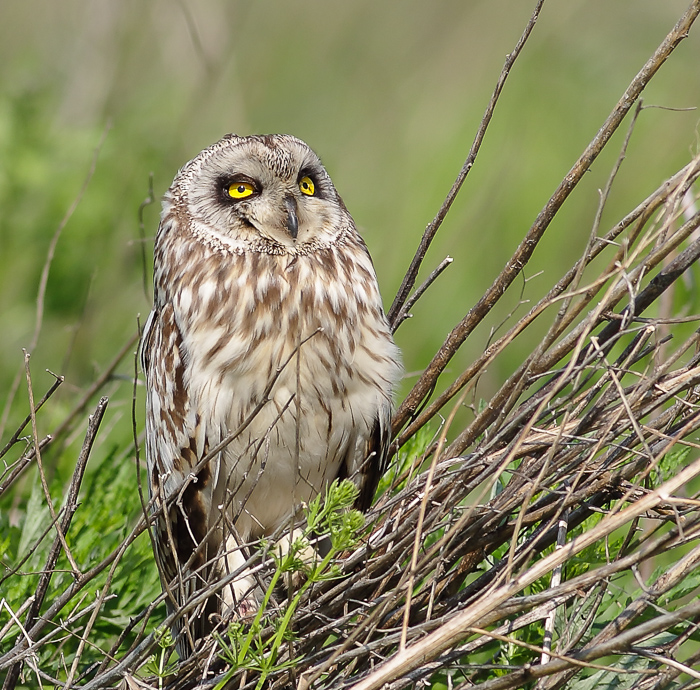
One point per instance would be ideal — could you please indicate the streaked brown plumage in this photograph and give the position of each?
(265, 297)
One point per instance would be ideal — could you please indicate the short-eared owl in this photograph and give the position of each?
(267, 337)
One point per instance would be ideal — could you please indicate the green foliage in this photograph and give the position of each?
(669, 465)
(250, 645)
(108, 508)
(406, 464)
(159, 665)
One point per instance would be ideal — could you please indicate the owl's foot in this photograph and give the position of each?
(240, 600)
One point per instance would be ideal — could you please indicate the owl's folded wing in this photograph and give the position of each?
(180, 483)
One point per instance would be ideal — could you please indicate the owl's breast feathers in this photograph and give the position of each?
(298, 339)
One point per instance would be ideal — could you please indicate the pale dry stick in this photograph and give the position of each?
(668, 661)
(109, 677)
(499, 634)
(666, 300)
(649, 547)
(665, 678)
(14, 617)
(658, 284)
(523, 253)
(421, 519)
(430, 232)
(578, 429)
(541, 612)
(142, 617)
(556, 581)
(540, 650)
(637, 350)
(661, 370)
(45, 273)
(604, 437)
(440, 640)
(492, 351)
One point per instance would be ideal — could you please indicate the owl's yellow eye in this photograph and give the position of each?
(240, 190)
(307, 186)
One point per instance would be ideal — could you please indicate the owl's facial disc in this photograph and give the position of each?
(270, 188)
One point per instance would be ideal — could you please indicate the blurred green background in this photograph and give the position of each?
(390, 96)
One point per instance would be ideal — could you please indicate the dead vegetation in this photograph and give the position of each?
(514, 551)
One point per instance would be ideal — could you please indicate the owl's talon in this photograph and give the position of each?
(248, 609)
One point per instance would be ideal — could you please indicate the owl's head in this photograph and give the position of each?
(267, 190)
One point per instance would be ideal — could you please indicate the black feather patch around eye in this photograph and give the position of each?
(234, 188)
(318, 180)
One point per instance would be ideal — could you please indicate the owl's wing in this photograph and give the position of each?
(374, 455)
(175, 443)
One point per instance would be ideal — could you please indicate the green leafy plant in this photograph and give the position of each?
(329, 514)
(159, 665)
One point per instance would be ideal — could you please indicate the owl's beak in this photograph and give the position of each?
(292, 220)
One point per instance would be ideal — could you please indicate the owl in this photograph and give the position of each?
(269, 363)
